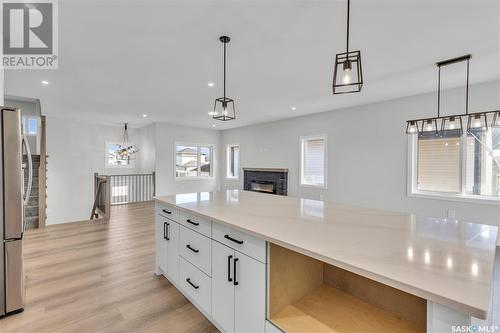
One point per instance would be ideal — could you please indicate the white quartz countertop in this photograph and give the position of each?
(443, 260)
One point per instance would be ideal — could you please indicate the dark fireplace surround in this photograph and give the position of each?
(265, 180)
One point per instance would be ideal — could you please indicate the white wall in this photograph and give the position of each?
(76, 150)
(166, 135)
(147, 149)
(367, 153)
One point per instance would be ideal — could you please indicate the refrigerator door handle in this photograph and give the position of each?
(27, 193)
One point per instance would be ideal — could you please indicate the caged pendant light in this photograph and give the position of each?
(452, 124)
(347, 74)
(224, 106)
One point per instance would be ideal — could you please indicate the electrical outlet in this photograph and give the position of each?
(451, 213)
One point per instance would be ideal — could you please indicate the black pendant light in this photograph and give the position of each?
(224, 106)
(126, 149)
(347, 74)
(451, 125)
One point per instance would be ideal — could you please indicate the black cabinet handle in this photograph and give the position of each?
(188, 280)
(234, 271)
(165, 230)
(232, 239)
(194, 250)
(229, 268)
(192, 222)
(166, 211)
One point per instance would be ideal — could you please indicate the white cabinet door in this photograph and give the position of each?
(222, 286)
(172, 251)
(249, 294)
(161, 243)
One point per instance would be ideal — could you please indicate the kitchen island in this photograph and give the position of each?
(255, 262)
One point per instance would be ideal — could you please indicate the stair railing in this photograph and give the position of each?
(101, 207)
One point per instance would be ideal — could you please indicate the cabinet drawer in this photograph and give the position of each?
(197, 285)
(169, 211)
(197, 249)
(251, 246)
(196, 223)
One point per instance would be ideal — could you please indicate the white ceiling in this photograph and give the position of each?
(120, 60)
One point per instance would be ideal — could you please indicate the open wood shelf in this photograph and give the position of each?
(327, 309)
(307, 295)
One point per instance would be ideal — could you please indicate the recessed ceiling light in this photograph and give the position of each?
(144, 116)
(294, 108)
(210, 84)
(45, 82)
(213, 125)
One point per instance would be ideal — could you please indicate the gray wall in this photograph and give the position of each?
(367, 153)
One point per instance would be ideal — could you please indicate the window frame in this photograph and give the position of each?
(228, 161)
(411, 184)
(302, 139)
(130, 165)
(198, 148)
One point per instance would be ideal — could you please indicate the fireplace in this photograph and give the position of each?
(272, 181)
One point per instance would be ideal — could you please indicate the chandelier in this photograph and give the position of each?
(126, 149)
(443, 125)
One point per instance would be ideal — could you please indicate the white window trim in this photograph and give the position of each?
(411, 184)
(131, 164)
(228, 162)
(214, 161)
(301, 162)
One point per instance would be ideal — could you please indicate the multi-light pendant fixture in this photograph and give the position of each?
(224, 106)
(126, 149)
(452, 124)
(347, 74)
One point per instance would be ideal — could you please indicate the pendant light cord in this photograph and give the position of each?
(439, 89)
(467, 90)
(347, 42)
(449, 62)
(224, 71)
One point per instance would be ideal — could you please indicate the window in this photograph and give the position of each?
(30, 125)
(454, 165)
(313, 161)
(233, 161)
(193, 161)
(114, 161)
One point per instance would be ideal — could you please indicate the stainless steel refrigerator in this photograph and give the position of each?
(13, 196)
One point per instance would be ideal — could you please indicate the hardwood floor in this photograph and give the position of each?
(87, 277)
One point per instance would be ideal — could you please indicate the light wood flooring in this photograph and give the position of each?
(88, 277)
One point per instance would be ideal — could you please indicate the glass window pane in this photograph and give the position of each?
(114, 160)
(205, 161)
(233, 161)
(438, 167)
(186, 161)
(32, 126)
(483, 163)
(313, 162)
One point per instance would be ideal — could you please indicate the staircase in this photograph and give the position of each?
(31, 209)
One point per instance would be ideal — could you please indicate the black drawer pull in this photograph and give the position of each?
(194, 250)
(188, 280)
(229, 268)
(232, 239)
(192, 222)
(166, 211)
(165, 230)
(234, 271)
